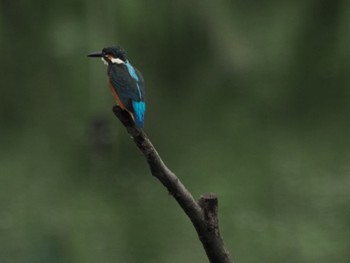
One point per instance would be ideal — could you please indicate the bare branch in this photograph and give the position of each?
(203, 214)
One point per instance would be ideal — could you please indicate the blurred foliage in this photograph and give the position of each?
(247, 99)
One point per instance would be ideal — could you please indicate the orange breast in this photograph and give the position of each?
(116, 97)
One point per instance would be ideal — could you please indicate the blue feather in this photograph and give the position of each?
(139, 112)
(132, 71)
(138, 106)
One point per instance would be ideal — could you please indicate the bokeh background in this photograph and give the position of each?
(247, 99)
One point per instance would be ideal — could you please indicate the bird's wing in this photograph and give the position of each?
(141, 83)
(127, 87)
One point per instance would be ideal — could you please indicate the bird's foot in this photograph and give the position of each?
(124, 116)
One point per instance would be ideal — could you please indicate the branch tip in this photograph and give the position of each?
(209, 203)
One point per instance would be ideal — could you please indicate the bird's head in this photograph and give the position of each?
(111, 55)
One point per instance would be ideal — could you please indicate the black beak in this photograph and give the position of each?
(95, 55)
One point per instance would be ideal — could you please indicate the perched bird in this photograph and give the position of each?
(125, 81)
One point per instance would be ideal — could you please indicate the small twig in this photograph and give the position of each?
(203, 214)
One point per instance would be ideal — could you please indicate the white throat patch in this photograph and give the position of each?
(104, 61)
(113, 60)
(117, 61)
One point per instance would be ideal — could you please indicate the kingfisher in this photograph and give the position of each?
(125, 81)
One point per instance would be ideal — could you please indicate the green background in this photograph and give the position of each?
(247, 99)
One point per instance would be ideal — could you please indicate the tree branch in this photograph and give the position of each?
(203, 214)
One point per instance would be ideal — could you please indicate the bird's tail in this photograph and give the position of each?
(139, 112)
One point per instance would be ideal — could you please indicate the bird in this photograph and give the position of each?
(125, 81)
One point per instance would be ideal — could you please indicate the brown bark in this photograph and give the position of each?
(203, 214)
